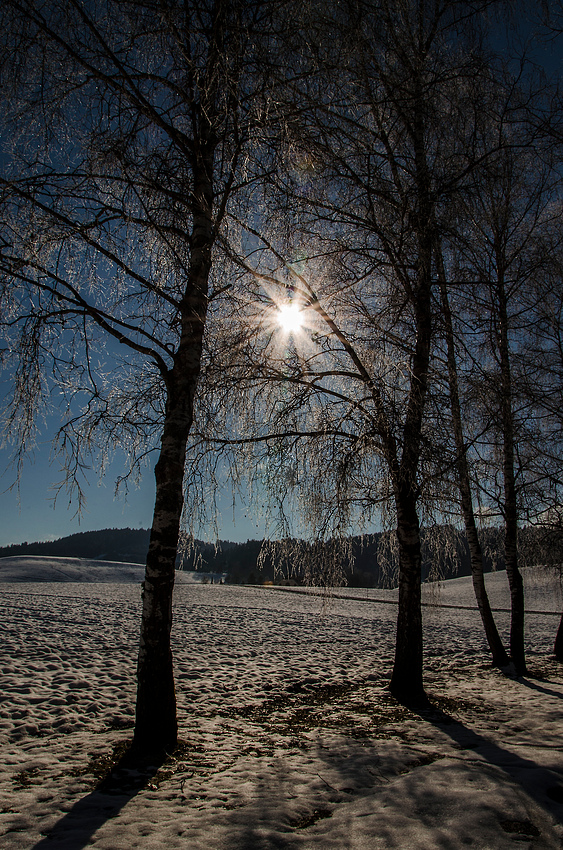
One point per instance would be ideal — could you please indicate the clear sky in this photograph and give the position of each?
(31, 516)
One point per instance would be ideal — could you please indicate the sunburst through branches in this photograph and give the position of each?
(290, 318)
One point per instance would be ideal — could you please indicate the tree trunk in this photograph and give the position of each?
(155, 724)
(558, 648)
(517, 652)
(407, 678)
(498, 652)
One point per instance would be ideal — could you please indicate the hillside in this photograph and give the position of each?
(50, 569)
(109, 544)
(356, 562)
(247, 563)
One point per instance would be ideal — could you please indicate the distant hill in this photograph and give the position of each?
(243, 562)
(445, 553)
(127, 545)
(40, 568)
(49, 568)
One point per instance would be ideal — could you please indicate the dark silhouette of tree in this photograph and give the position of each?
(372, 161)
(508, 218)
(407, 124)
(498, 652)
(128, 135)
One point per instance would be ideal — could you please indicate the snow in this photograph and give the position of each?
(290, 738)
(33, 568)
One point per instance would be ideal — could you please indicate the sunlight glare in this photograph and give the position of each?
(290, 318)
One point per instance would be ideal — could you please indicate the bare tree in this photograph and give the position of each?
(128, 130)
(507, 219)
(397, 145)
(368, 166)
(541, 386)
(498, 652)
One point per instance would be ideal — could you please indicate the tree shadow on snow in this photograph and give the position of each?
(357, 770)
(121, 784)
(430, 800)
(542, 784)
(535, 687)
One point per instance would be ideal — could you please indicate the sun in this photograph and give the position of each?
(290, 318)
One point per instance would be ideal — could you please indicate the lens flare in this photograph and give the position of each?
(290, 318)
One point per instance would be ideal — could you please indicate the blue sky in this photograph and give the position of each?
(31, 516)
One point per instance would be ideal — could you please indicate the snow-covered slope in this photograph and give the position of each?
(290, 739)
(543, 591)
(31, 568)
(39, 568)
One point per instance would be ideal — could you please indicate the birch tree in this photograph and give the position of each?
(498, 652)
(370, 163)
(509, 222)
(127, 133)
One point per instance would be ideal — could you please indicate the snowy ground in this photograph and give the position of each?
(290, 738)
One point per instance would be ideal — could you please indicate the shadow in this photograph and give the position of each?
(124, 781)
(357, 792)
(542, 784)
(436, 806)
(535, 687)
(360, 805)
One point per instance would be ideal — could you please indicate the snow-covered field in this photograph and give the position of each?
(289, 736)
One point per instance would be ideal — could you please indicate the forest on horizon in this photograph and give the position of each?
(257, 561)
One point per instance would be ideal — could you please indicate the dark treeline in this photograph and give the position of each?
(128, 545)
(363, 561)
